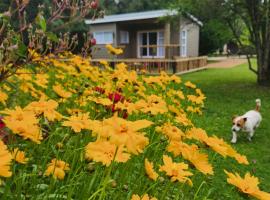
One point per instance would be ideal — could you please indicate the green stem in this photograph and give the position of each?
(196, 194)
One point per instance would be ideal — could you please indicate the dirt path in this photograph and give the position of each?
(226, 62)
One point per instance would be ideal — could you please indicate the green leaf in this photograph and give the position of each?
(41, 21)
(22, 50)
(51, 36)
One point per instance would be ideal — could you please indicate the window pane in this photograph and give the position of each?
(161, 48)
(124, 37)
(152, 51)
(108, 37)
(144, 39)
(153, 38)
(99, 37)
(143, 51)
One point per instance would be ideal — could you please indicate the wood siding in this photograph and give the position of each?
(99, 51)
(171, 34)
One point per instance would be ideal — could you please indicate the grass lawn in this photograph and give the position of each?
(229, 92)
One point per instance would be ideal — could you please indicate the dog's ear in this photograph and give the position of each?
(245, 119)
(233, 117)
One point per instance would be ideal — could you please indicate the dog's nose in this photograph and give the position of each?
(233, 129)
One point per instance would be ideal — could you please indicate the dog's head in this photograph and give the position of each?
(238, 123)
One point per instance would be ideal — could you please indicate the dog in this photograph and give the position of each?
(247, 122)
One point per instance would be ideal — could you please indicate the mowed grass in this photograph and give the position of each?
(233, 92)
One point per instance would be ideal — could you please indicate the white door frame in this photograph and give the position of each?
(138, 43)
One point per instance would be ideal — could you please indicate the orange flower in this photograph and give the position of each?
(105, 152)
(57, 168)
(6, 159)
(248, 185)
(19, 156)
(149, 169)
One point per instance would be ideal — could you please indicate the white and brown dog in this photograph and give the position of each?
(247, 122)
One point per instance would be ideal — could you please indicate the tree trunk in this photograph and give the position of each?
(263, 78)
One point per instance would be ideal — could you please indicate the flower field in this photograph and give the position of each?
(70, 130)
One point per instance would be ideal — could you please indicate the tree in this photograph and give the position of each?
(125, 6)
(246, 19)
(255, 14)
(215, 32)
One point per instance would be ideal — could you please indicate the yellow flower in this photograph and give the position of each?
(47, 108)
(172, 132)
(3, 97)
(129, 107)
(100, 100)
(105, 152)
(57, 168)
(196, 99)
(113, 50)
(19, 156)
(6, 158)
(194, 110)
(216, 144)
(23, 123)
(175, 79)
(42, 80)
(123, 132)
(191, 153)
(79, 122)
(144, 197)
(248, 185)
(154, 105)
(177, 171)
(190, 85)
(149, 169)
(58, 89)
(183, 119)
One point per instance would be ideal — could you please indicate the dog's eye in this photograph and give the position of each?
(233, 123)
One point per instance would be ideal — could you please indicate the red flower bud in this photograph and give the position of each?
(94, 4)
(93, 42)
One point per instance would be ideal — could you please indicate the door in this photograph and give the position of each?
(151, 44)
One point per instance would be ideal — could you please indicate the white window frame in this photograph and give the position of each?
(100, 37)
(124, 37)
(183, 42)
(160, 42)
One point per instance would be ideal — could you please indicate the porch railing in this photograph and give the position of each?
(156, 65)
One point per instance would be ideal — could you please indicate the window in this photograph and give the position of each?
(103, 37)
(183, 43)
(151, 44)
(124, 37)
